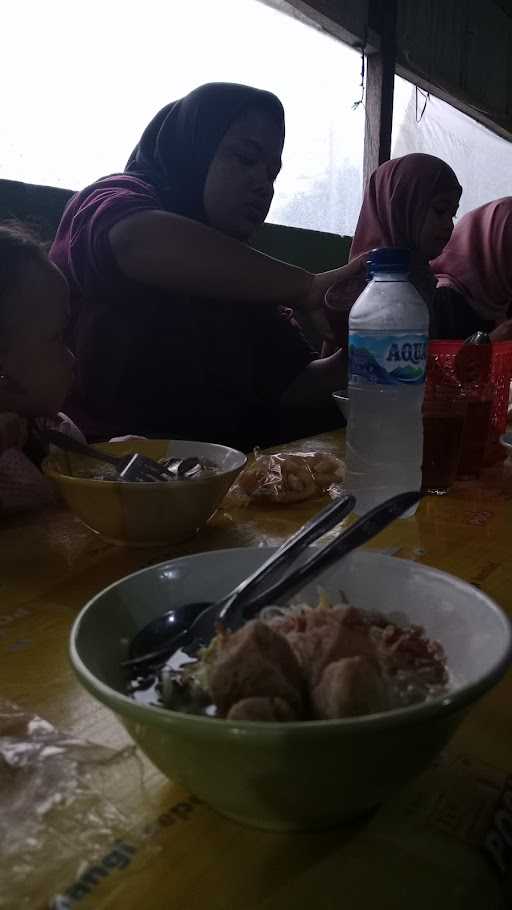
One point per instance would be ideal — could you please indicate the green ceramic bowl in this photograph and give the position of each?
(297, 775)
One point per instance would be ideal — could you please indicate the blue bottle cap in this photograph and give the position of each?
(388, 259)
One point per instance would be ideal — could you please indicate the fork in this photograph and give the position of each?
(134, 468)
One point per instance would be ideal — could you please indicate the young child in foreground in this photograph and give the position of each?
(36, 367)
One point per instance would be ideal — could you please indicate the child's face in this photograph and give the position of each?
(438, 225)
(36, 363)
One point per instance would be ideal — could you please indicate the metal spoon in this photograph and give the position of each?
(233, 610)
(355, 536)
(133, 467)
(233, 615)
(156, 640)
(184, 468)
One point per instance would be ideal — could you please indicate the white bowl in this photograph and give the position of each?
(299, 775)
(342, 400)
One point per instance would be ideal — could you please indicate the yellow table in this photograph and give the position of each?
(134, 840)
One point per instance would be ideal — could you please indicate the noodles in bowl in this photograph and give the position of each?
(323, 662)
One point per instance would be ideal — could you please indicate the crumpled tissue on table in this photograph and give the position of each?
(54, 816)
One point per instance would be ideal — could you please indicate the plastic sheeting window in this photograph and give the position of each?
(85, 78)
(481, 159)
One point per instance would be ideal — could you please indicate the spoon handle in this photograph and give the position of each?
(203, 627)
(358, 534)
(313, 529)
(62, 441)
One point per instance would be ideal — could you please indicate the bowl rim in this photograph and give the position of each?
(154, 716)
(153, 485)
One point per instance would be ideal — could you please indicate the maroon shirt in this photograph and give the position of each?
(156, 363)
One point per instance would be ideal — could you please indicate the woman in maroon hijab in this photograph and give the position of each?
(179, 327)
(410, 202)
(474, 274)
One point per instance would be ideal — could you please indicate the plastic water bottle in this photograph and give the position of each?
(388, 335)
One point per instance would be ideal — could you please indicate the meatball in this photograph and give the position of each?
(262, 709)
(256, 661)
(348, 688)
(322, 636)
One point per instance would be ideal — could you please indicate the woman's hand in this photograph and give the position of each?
(349, 277)
(13, 431)
(339, 299)
(322, 281)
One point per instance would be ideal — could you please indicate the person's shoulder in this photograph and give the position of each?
(116, 186)
(90, 213)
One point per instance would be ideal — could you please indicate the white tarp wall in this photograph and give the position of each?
(481, 159)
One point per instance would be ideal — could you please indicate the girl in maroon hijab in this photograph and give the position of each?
(177, 324)
(474, 274)
(409, 202)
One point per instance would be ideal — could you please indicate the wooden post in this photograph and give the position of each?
(380, 83)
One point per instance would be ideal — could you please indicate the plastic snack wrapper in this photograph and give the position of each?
(56, 820)
(288, 477)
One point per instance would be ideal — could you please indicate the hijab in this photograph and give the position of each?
(395, 204)
(397, 199)
(477, 263)
(176, 149)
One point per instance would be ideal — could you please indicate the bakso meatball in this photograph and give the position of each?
(348, 688)
(253, 662)
(262, 709)
(322, 636)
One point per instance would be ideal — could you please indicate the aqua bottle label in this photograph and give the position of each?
(376, 359)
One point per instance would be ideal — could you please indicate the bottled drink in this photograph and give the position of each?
(388, 335)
